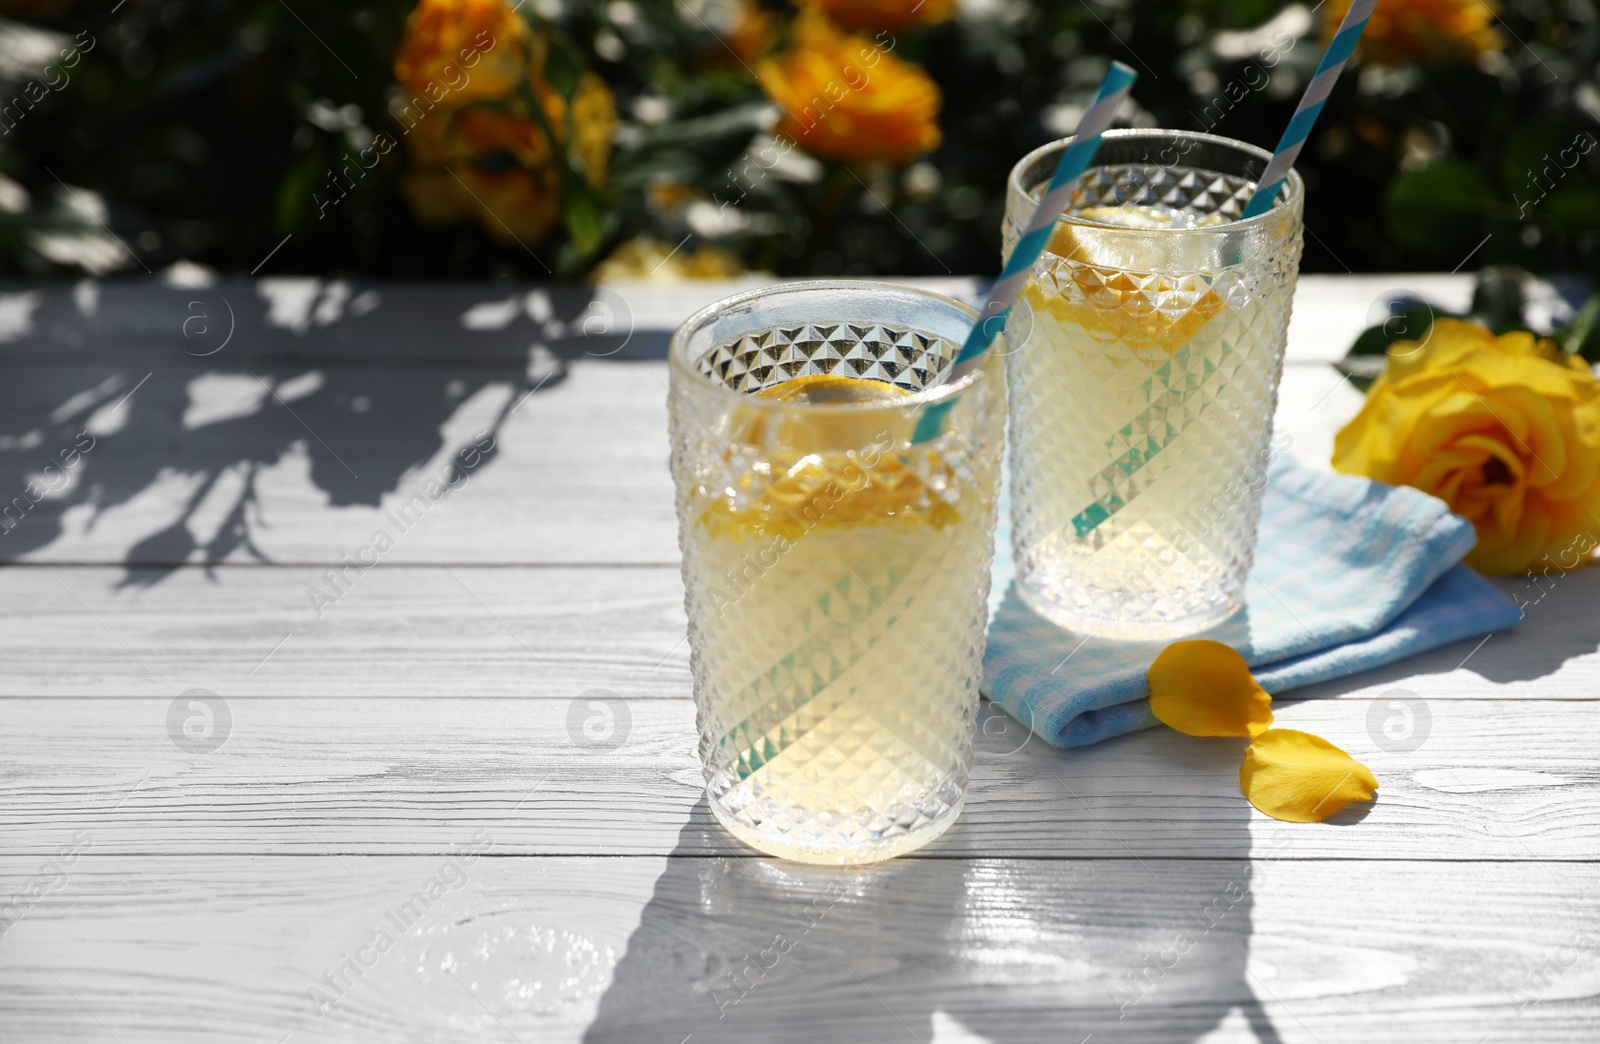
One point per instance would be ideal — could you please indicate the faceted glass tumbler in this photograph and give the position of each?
(836, 575)
(1145, 357)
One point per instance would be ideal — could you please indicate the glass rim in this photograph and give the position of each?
(1293, 190)
(680, 363)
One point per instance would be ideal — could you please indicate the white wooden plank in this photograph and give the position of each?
(343, 323)
(209, 468)
(512, 631)
(215, 467)
(176, 949)
(203, 463)
(1490, 780)
(335, 322)
(393, 631)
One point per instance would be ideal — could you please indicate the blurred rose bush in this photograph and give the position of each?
(504, 147)
(459, 137)
(1421, 30)
(887, 14)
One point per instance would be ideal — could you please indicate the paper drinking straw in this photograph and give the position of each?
(1311, 102)
(1121, 475)
(1074, 161)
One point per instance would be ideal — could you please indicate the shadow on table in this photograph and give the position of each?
(110, 390)
(934, 947)
(1558, 627)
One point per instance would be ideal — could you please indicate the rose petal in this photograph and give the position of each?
(1300, 778)
(1204, 688)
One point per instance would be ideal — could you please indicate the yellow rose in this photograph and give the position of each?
(844, 97)
(1506, 430)
(659, 262)
(497, 167)
(752, 30)
(1421, 30)
(463, 49)
(887, 14)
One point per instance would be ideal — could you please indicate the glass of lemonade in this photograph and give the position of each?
(836, 575)
(1145, 356)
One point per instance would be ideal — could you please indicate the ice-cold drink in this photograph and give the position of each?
(836, 575)
(1144, 364)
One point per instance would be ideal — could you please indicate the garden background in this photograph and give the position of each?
(485, 138)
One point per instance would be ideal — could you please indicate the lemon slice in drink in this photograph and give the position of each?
(835, 430)
(1115, 299)
(829, 468)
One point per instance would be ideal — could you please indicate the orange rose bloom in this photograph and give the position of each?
(469, 48)
(752, 31)
(1506, 430)
(843, 97)
(887, 14)
(499, 168)
(1421, 30)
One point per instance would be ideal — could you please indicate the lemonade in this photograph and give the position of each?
(1144, 374)
(836, 582)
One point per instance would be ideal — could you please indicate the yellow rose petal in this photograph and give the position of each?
(1300, 778)
(1204, 688)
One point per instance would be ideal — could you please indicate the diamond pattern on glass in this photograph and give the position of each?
(1202, 191)
(1142, 406)
(836, 665)
(894, 354)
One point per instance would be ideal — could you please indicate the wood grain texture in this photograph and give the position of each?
(399, 630)
(438, 705)
(394, 631)
(1491, 780)
(173, 949)
(334, 322)
(286, 449)
(281, 464)
(565, 463)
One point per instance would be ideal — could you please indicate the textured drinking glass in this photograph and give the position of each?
(836, 576)
(1146, 353)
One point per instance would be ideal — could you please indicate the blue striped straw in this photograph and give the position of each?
(1311, 103)
(1074, 161)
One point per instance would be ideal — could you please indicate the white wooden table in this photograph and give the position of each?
(417, 827)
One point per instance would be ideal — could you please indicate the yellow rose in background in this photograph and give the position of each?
(1505, 430)
(463, 49)
(844, 97)
(1421, 30)
(659, 262)
(887, 14)
(752, 30)
(517, 200)
(498, 166)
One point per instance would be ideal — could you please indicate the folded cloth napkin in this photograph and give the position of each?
(1349, 574)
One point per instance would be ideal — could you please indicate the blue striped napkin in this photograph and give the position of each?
(1349, 574)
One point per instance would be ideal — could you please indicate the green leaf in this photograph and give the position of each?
(739, 121)
(295, 192)
(563, 66)
(1497, 300)
(1438, 209)
(582, 214)
(1526, 165)
(1581, 337)
(1409, 324)
(1574, 208)
(694, 151)
(1361, 369)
